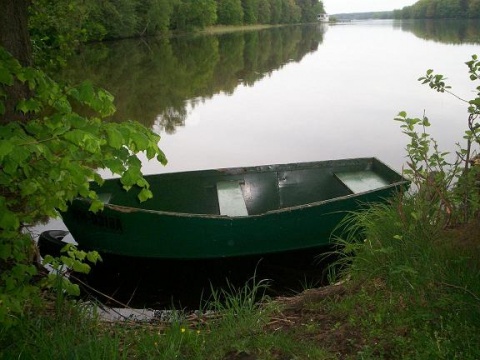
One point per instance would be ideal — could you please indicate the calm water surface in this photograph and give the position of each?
(290, 94)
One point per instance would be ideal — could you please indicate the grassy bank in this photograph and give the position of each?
(221, 29)
(409, 290)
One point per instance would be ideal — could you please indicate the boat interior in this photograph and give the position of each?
(254, 190)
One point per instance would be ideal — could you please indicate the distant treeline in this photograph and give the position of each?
(440, 9)
(363, 16)
(55, 23)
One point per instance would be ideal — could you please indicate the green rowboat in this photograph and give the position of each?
(231, 212)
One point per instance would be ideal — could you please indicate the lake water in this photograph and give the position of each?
(289, 94)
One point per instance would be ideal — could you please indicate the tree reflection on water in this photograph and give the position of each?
(155, 81)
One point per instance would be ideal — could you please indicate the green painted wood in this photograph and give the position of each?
(230, 199)
(290, 207)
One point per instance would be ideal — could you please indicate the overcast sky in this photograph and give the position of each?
(350, 6)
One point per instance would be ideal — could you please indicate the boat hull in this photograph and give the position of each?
(148, 233)
(188, 283)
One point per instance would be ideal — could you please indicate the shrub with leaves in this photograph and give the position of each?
(70, 260)
(51, 159)
(450, 191)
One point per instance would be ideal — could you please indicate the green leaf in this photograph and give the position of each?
(162, 158)
(48, 259)
(79, 254)
(81, 267)
(98, 179)
(115, 138)
(475, 102)
(84, 140)
(130, 177)
(62, 105)
(29, 105)
(5, 148)
(141, 182)
(115, 165)
(16, 159)
(140, 141)
(68, 261)
(28, 74)
(66, 248)
(96, 206)
(71, 289)
(5, 251)
(8, 220)
(93, 257)
(144, 195)
(86, 92)
(28, 187)
(5, 77)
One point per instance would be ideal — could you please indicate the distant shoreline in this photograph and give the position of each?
(219, 29)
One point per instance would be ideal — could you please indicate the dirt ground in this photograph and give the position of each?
(331, 331)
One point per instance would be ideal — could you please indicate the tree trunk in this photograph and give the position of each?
(14, 34)
(15, 38)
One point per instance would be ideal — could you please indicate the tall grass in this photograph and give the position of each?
(66, 334)
(421, 286)
(234, 326)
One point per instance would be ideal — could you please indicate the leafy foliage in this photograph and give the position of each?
(310, 9)
(64, 24)
(57, 27)
(441, 9)
(193, 14)
(153, 16)
(449, 190)
(230, 12)
(71, 260)
(50, 159)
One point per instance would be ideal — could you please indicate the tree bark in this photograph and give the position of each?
(15, 38)
(14, 34)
